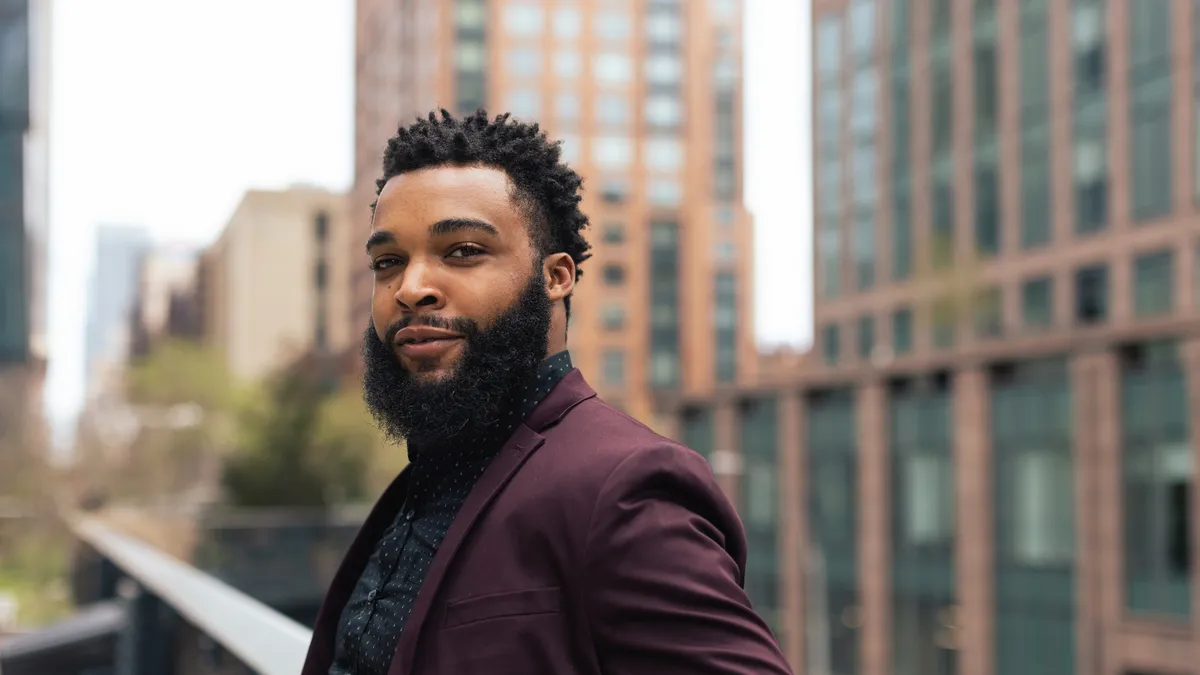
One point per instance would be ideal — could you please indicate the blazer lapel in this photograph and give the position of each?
(568, 393)
(321, 648)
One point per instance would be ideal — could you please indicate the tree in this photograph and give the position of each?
(307, 442)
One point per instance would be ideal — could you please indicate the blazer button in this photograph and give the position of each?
(409, 515)
(371, 595)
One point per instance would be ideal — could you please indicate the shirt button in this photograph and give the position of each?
(372, 594)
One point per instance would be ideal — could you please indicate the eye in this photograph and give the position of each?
(382, 263)
(465, 251)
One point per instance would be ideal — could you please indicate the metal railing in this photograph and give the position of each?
(261, 638)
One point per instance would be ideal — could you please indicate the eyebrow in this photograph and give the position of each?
(441, 227)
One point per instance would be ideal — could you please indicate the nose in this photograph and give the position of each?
(417, 291)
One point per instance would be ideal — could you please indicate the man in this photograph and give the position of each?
(536, 530)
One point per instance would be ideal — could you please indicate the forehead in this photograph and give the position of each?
(420, 198)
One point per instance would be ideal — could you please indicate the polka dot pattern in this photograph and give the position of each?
(373, 620)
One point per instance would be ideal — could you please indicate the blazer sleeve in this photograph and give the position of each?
(665, 558)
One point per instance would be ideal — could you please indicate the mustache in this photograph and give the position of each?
(458, 324)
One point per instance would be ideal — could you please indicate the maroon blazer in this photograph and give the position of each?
(590, 545)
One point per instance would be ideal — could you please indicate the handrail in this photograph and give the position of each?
(267, 641)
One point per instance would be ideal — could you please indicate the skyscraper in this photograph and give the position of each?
(15, 286)
(988, 467)
(646, 97)
(111, 291)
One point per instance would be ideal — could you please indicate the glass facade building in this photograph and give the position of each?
(987, 462)
(15, 273)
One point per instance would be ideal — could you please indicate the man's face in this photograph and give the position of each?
(448, 246)
(460, 309)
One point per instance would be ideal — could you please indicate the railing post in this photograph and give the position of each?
(146, 645)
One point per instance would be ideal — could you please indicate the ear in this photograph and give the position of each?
(559, 272)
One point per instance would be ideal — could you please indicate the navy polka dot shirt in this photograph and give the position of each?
(371, 623)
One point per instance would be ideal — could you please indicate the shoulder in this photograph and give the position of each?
(600, 444)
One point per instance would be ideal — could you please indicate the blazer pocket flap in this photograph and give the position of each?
(508, 603)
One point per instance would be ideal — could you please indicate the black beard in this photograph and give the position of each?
(495, 363)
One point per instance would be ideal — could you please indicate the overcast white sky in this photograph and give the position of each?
(164, 113)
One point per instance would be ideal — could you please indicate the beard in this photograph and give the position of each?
(478, 392)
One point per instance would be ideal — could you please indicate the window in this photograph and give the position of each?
(985, 88)
(832, 515)
(1091, 180)
(321, 275)
(613, 25)
(1088, 44)
(943, 105)
(726, 320)
(663, 111)
(829, 47)
(901, 232)
(568, 64)
(614, 191)
(940, 11)
(664, 154)
(612, 68)
(471, 15)
(864, 108)
(861, 14)
(1091, 294)
(321, 226)
(568, 23)
(758, 426)
(1032, 58)
(566, 107)
(613, 111)
(663, 26)
(613, 317)
(831, 347)
(572, 148)
(989, 313)
(923, 523)
(664, 69)
(1037, 303)
(1090, 113)
(614, 233)
(866, 337)
(612, 152)
(942, 240)
(614, 275)
(526, 103)
(902, 331)
(987, 209)
(1034, 517)
(1150, 108)
(614, 368)
(1036, 192)
(470, 56)
(1153, 284)
(666, 192)
(725, 252)
(1158, 480)
(864, 248)
(523, 19)
(829, 246)
(524, 62)
(945, 319)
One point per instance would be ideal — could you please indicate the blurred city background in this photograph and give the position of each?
(920, 278)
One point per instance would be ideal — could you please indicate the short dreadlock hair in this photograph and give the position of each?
(546, 188)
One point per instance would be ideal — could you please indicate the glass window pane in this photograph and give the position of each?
(523, 18)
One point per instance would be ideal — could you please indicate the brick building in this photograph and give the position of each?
(987, 465)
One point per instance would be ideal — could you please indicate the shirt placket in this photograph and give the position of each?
(400, 535)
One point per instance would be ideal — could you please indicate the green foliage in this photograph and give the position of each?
(306, 443)
(178, 372)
